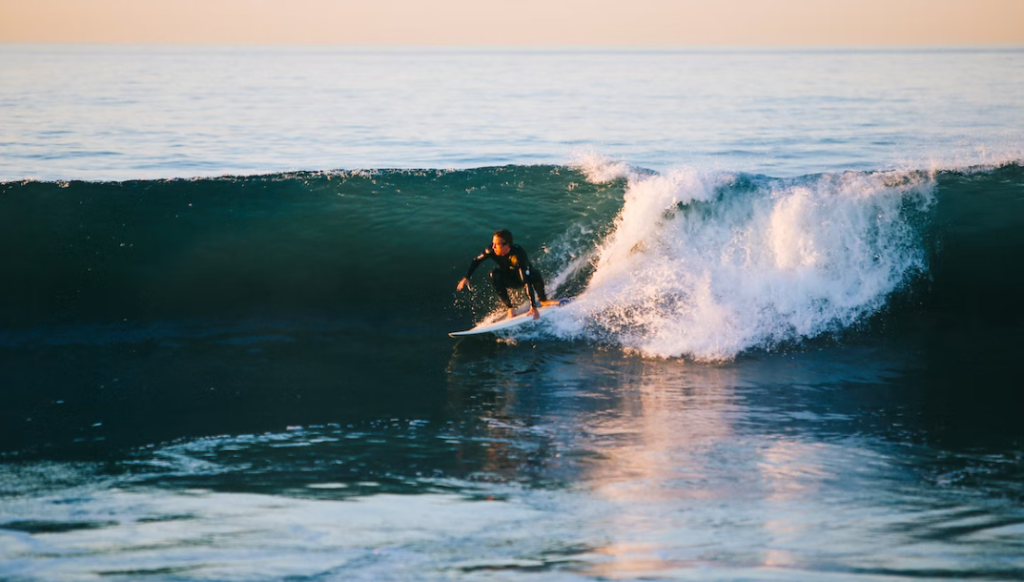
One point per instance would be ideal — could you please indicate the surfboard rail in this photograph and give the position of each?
(522, 317)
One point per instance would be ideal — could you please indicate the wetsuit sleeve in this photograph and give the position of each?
(486, 254)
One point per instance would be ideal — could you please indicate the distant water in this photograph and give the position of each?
(229, 273)
(113, 113)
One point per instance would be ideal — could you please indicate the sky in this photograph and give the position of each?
(641, 23)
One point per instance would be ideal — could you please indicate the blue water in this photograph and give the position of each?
(229, 274)
(113, 113)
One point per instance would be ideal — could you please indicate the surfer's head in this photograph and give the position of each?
(502, 242)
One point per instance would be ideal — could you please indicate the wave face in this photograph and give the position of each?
(686, 263)
(388, 243)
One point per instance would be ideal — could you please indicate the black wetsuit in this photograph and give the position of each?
(513, 270)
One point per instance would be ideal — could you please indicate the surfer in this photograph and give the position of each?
(514, 270)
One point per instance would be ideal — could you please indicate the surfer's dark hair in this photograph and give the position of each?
(504, 235)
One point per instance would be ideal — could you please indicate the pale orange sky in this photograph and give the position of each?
(519, 22)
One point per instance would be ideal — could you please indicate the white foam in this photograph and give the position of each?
(598, 168)
(706, 264)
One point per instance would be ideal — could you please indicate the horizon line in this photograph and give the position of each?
(881, 47)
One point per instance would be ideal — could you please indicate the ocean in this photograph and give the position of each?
(228, 275)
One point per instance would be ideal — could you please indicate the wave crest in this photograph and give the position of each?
(601, 169)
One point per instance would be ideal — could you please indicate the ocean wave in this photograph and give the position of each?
(691, 262)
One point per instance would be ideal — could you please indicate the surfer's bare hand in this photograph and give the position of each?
(463, 284)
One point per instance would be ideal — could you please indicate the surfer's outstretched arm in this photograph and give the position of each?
(464, 282)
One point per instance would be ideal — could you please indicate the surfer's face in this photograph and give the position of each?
(501, 248)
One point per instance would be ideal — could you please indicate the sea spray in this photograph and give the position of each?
(601, 169)
(708, 264)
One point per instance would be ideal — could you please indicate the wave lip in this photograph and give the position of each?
(708, 264)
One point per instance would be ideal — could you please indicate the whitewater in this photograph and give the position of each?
(707, 265)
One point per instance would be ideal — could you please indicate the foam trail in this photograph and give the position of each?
(708, 264)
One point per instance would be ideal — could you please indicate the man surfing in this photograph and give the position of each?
(514, 270)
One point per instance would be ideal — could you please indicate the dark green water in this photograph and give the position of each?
(249, 379)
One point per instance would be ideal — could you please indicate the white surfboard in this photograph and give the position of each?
(491, 325)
